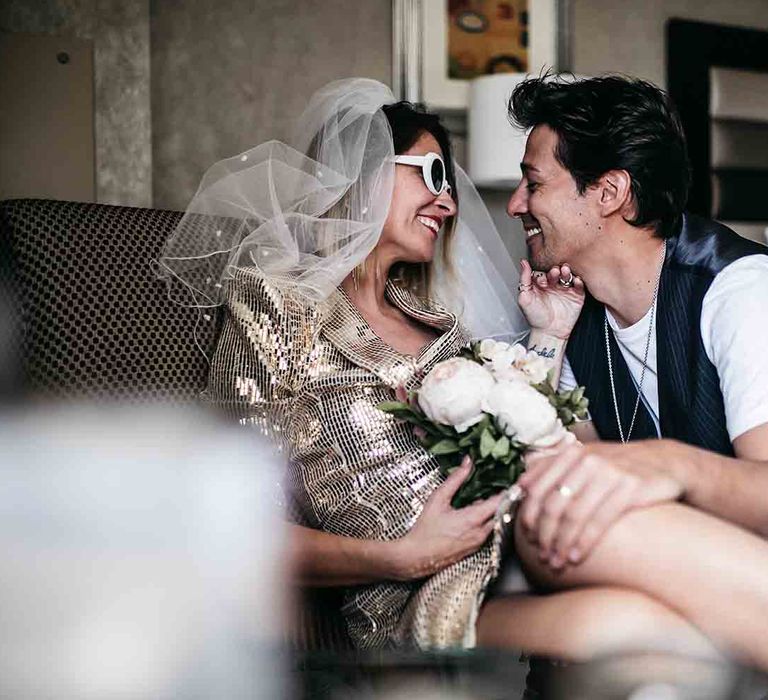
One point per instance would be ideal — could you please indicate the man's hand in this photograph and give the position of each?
(549, 306)
(575, 495)
(443, 534)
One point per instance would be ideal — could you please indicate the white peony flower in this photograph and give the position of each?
(490, 348)
(452, 393)
(534, 367)
(513, 362)
(524, 414)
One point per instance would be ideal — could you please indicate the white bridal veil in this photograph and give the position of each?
(306, 214)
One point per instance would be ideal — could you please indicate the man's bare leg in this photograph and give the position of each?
(712, 573)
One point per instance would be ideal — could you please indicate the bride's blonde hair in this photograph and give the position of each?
(408, 121)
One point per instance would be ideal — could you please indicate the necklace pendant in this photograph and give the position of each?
(651, 329)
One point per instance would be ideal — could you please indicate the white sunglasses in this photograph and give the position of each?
(432, 170)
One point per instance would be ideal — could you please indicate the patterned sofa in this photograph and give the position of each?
(95, 323)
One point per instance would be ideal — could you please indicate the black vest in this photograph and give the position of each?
(690, 401)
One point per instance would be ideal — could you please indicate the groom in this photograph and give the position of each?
(672, 339)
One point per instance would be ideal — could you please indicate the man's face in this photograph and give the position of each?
(558, 221)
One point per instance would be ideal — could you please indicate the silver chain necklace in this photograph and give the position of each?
(645, 355)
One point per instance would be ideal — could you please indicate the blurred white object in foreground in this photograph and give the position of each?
(140, 557)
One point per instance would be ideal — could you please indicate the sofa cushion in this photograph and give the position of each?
(95, 320)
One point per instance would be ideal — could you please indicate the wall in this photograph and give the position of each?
(120, 34)
(227, 76)
(627, 36)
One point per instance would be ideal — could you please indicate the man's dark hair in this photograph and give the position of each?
(613, 123)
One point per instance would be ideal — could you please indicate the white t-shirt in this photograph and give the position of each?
(734, 330)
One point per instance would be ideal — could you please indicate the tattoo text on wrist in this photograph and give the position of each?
(547, 353)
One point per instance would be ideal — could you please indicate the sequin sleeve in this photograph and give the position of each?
(259, 365)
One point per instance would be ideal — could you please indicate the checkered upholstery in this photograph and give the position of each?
(95, 321)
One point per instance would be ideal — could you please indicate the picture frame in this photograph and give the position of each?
(420, 49)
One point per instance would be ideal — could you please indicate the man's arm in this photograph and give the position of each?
(575, 496)
(735, 489)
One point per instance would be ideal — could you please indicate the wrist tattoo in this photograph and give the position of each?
(547, 353)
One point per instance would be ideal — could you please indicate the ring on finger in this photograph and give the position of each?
(524, 287)
(565, 491)
(566, 282)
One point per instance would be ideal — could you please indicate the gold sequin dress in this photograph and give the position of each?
(313, 374)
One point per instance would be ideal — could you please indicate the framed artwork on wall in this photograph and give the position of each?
(440, 45)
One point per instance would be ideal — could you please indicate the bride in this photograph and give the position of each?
(349, 264)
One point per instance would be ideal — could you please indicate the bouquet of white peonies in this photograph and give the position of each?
(494, 403)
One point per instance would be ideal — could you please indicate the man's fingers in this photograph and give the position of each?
(575, 518)
(541, 481)
(616, 504)
(552, 508)
(537, 491)
(557, 504)
(553, 275)
(538, 463)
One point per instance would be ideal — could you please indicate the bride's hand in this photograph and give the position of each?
(549, 306)
(443, 534)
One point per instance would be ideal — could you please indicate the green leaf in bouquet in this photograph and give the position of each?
(448, 463)
(577, 395)
(501, 448)
(521, 447)
(473, 435)
(486, 464)
(404, 412)
(392, 406)
(515, 470)
(447, 430)
(431, 429)
(511, 457)
(545, 387)
(445, 447)
(487, 442)
(566, 416)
